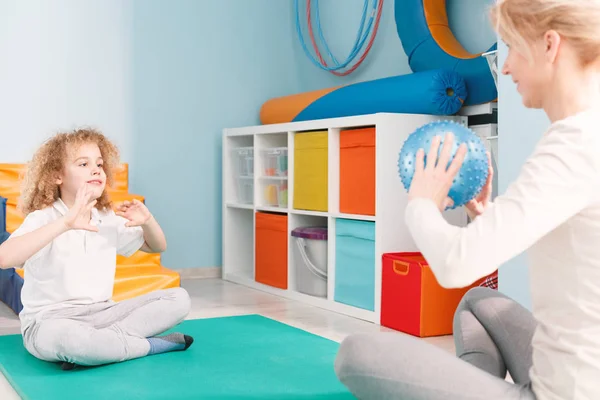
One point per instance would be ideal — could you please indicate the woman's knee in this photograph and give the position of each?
(473, 296)
(467, 304)
(361, 354)
(351, 355)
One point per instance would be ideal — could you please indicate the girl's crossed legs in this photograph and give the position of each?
(109, 332)
(492, 335)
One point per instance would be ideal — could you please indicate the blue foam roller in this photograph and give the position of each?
(434, 92)
(11, 285)
(414, 19)
(474, 171)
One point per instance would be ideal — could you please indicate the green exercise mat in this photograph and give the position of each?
(246, 357)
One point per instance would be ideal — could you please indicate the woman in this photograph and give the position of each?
(552, 210)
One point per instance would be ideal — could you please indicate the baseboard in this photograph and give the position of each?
(199, 273)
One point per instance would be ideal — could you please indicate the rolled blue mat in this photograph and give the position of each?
(425, 53)
(435, 92)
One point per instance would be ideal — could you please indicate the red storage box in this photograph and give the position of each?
(271, 248)
(357, 171)
(412, 301)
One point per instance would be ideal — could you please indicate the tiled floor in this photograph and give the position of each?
(216, 298)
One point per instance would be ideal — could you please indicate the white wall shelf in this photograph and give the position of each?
(479, 109)
(391, 130)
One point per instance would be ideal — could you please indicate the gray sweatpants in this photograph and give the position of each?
(492, 335)
(106, 332)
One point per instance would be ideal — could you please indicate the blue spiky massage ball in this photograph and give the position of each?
(474, 171)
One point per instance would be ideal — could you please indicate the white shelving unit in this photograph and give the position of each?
(391, 130)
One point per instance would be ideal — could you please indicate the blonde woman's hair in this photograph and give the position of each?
(39, 188)
(578, 21)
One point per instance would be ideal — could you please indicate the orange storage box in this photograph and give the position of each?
(357, 171)
(271, 256)
(412, 300)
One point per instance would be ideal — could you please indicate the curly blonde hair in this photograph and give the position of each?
(39, 188)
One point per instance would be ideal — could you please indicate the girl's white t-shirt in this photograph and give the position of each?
(553, 211)
(76, 268)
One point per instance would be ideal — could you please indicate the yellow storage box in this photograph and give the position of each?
(310, 171)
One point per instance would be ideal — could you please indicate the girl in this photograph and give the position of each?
(68, 246)
(553, 209)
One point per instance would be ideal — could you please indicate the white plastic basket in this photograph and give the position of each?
(489, 135)
(274, 161)
(243, 160)
(310, 259)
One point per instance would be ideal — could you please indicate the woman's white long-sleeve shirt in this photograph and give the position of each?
(553, 211)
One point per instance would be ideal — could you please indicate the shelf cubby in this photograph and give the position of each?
(296, 261)
(239, 228)
(238, 170)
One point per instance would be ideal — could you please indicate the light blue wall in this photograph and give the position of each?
(64, 63)
(199, 67)
(340, 20)
(470, 23)
(519, 129)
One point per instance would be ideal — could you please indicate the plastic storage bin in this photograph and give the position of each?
(276, 192)
(310, 171)
(245, 190)
(412, 301)
(243, 158)
(357, 171)
(244, 161)
(275, 161)
(310, 260)
(355, 263)
(271, 250)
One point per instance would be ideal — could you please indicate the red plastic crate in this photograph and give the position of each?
(412, 300)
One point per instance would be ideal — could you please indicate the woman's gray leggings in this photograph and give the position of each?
(492, 334)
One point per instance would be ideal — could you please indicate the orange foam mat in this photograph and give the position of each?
(10, 178)
(136, 281)
(14, 219)
(139, 258)
(10, 181)
(121, 178)
(133, 282)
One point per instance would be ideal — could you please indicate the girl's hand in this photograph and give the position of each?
(78, 216)
(433, 181)
(476, 206)
(135, 211)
